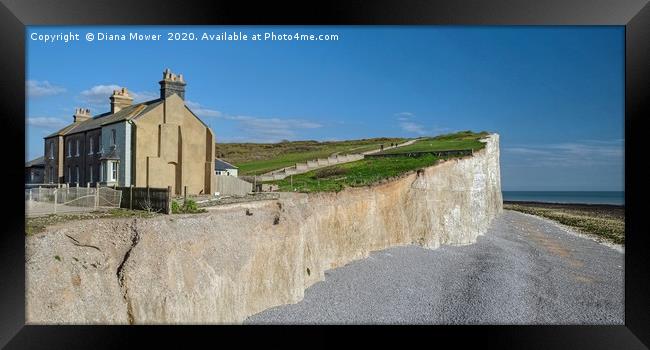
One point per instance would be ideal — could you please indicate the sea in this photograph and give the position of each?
(580, 197)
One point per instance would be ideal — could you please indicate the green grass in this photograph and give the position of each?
(372, 170)
(611, 228)
(260, 158)
(457, 141)
(354, 174)
(187, 207)
(38, 224)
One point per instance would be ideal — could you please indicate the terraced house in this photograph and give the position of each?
(156, 143)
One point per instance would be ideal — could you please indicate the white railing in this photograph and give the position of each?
(43, 200)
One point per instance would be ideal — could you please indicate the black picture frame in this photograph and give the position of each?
(633, 14)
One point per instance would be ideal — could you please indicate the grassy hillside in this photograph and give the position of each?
(372, 170)
(360, 173)
(457, 141)
(259, 158)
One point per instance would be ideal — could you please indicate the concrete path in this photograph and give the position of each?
(409, 142)
(280, 174)
(525, 270)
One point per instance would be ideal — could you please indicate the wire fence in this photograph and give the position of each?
(44, 201)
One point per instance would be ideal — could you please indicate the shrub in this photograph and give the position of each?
(176, 208)
(189, 206)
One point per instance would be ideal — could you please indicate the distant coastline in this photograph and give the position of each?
(616, 198)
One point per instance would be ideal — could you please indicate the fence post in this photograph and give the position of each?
(131, 197)
(96, 195)
(184, 194)
(169, 200)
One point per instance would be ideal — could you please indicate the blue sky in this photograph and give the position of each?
(554, 94)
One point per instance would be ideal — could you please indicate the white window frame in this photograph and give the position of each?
(69, 148)
(113, 173)
(77, 154)
(76, 170)
(51, 150)
(90, 147)
(69, 174)
(90, 173)
(101, 172)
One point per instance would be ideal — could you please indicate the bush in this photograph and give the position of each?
(176, 208)
(189, 206)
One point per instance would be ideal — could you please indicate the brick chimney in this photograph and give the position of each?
(120, 99)
(81, 114)
(172, 84)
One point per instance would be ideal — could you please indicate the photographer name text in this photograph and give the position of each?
(180, 36)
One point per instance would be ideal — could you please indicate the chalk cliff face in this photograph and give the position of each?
(225, 265)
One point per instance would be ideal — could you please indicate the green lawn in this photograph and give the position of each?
(258, 158)
(372, 170)
(457, 141)
(360, 173)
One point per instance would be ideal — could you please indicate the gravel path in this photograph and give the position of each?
(525, 270)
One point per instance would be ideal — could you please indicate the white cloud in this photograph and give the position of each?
(271, 129)
(413, 127)
(202, 111)
(98, 95)
(257, 129)
(403, 116)
(142, 96)
(407, 122)
(582, 153)
(47, 122)
(37, 88)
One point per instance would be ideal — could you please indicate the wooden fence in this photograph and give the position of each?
(147, 198)
(442, 154)
(233, 186)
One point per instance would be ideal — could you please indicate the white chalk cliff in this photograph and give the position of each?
(224, 265)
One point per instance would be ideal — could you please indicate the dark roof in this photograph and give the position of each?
(222, 165)
(99, 120)
(40, 161)
(111, 155)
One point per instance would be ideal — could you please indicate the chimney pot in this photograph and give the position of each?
(172, 84)
(81, 114)
(120, 100)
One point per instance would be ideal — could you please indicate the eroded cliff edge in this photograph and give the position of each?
(223, 266)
